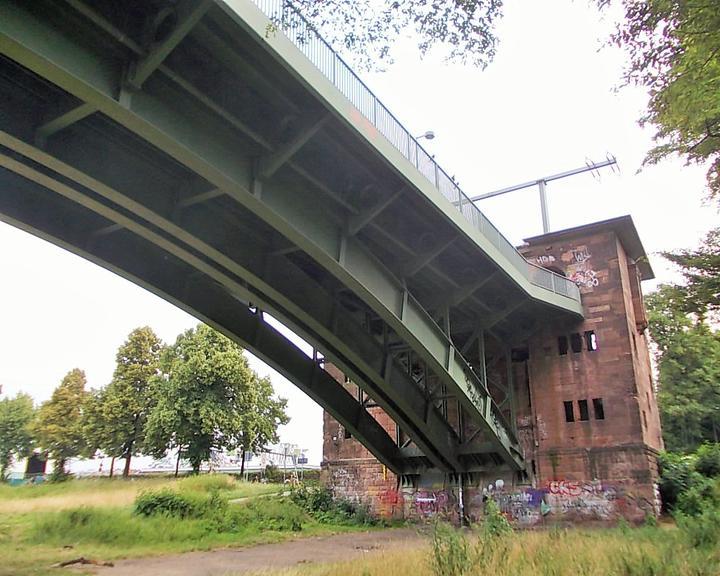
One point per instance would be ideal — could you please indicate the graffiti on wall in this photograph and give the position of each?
(579, 269)
(559, 499)
(430, 503)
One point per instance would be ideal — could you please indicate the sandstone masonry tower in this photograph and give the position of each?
(581, 397)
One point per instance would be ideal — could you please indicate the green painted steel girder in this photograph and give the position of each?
(313, 317)
(209, 301)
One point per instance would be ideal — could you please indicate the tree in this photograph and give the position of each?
(367, 29)
(701, 268)
(59, 423)
(261, 423)
(688, 356)
(16, 415)
(97, 427)
(121, 416)
(207, 398)
(674, 51)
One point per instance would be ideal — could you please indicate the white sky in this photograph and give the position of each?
(545, 105)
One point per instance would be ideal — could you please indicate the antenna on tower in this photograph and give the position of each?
(541, 183)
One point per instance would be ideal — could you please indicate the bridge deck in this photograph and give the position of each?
(199, 153)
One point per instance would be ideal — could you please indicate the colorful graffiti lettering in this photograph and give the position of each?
(427, 503)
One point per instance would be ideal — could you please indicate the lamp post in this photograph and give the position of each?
(429, 135)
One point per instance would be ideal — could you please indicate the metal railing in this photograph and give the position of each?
(293, 24)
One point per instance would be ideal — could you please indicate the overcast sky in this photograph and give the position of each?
(545, 105)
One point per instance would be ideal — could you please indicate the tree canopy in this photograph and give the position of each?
(207, 398)
(368, 29)
(126, 403)
(674, 51)
(16, 415)
(59, 423)
(701, 268)
(688, 357)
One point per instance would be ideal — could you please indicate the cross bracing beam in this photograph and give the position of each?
(214, 305)
(200, 143)
(395, 387)
(62, 121)
(189, 13)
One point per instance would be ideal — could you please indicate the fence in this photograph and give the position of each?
(288, 19)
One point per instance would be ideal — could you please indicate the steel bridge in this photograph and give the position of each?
(221, 155)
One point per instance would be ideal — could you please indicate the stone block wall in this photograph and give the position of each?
(585, 407)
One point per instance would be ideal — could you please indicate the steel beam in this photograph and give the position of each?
(63, 121)
(189, 13)
(390, 386)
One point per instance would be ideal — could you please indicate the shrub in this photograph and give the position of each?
(701, 531)
(708, 460)
(704, 494)
(324, 507)
(676, 476)
(167, 502)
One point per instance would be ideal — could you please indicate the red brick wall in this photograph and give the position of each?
(598, 469)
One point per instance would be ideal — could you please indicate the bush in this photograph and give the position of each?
(701, 531)
(676, 476)
(704, 494)
(708, 460)
(324, 507)
(167, 502)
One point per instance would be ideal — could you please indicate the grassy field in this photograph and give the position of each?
(46, 524)
(659, 551)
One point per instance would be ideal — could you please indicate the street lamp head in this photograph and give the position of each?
(429, 135)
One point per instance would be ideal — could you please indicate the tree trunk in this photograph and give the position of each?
(242, 462)
(177, 462)
(112, 466)
(128, 457)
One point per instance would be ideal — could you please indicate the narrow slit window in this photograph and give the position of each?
(591, 341)
(645, 418)
(576, 343)
(584, 413)
(598, 409)
(569, 412)
(562, 345)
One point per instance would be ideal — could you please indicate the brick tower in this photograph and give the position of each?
(584, 403)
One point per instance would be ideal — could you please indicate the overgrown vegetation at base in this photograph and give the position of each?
(319, 502)
(44, 524)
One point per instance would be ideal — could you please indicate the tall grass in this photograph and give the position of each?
(629, 552)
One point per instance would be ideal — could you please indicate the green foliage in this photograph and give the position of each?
(701, 268)
(16, 415)
(494, 523)
(116, 416)
(167, 502)
(324, 507)
(677, 475)
(207, 398)
(366, 30)
(674, 51)
(689, 371)
(701, 530)
(59, 423)
(708, 460)
(451, 553)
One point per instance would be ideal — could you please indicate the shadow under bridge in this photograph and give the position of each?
(220, 155)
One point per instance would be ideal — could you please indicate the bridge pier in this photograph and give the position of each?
(579, 395)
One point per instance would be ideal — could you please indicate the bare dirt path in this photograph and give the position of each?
(322, 549)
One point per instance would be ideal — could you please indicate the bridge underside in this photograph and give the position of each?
(171, 146)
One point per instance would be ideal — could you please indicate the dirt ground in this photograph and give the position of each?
(225, 561)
